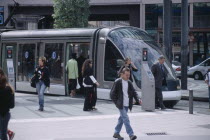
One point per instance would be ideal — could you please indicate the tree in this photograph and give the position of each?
(71, 13)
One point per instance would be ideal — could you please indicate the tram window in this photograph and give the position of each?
(82, 50)
(54, 55)
(26, 61)
(112, 63)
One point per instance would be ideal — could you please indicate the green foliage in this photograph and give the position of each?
(71, 13)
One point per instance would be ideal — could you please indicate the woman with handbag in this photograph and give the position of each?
(42, 81)
(7, 101)
(89, 82)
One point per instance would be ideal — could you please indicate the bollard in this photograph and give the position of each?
(190, 101)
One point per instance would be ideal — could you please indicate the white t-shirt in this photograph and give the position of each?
(125, 93)
(208, 77)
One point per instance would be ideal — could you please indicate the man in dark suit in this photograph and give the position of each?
(159, 73)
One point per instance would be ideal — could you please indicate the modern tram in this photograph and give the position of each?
(107, 47)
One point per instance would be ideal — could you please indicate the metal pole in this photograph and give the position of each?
(184, 43)
(190, 101)
(167, 28)
(170, 56)
(191, 49)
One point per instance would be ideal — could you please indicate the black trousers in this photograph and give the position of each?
(90, 98)
(4, 120)
(159, 98)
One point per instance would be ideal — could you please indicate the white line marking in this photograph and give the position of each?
(93, 117)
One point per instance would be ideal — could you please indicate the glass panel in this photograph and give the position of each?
(201, 42)
(208, 51)
(154, 16)
(26, 61)
(201, 15)
(82, 51)
(113, 62)
(54, 55)
(79, 49)
(132, 47)
(131, 33)
(176, 15)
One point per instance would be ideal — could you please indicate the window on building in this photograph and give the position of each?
(201, 12)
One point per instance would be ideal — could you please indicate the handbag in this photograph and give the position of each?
(33, 81)
(88, 81)
(78, 85)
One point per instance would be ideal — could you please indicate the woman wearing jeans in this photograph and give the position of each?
(6, 103)
(42, 81)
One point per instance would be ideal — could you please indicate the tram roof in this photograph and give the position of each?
(68, 32)
(57, 33)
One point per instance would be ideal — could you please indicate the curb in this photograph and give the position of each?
(202, 99)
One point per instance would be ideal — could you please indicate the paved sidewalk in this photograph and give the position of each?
(65, 120)
(174, 123)
(200, 90)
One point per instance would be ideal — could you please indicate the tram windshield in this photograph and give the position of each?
(130, 42)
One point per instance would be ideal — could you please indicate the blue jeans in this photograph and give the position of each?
(124, 119)
(4, 120)
(40, 88)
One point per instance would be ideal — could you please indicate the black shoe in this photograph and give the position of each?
(117, 136)
(133, 137)
(41, 109)
(156, 107)
(163, 108)
(86, 109)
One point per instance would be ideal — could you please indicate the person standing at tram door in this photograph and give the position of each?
(42, 81)
(72, 70)
(80, 60)
(89, 82)
(207, 80)
(129, 64)
(7, 101)
(122, 94)
(159, 73)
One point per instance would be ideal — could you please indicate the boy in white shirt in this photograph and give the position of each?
(207, 80)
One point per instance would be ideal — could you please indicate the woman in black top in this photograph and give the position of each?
(7, 101)
(89, 82)
(129, 64)
(42, 81)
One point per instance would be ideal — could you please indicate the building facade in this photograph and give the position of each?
(145, 14)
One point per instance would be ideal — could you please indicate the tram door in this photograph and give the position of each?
(26, 61)
(54, 53)
(82, 50)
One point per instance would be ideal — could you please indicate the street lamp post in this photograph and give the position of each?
(191, 40)
(167, 28)
(184, 43)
